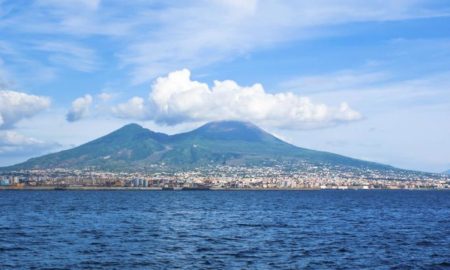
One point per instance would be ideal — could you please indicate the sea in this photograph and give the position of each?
(353, 229)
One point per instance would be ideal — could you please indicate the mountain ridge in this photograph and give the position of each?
(234, 143)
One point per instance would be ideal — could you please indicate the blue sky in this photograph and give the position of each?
(367, 79)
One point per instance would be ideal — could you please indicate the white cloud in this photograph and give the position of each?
(155, 37)
(105, 96)
(80, 108)
(13, 143)
(229, 29)
(176, 99)
(15, 106)
(11, 138)
(134, 108)
(423, 92)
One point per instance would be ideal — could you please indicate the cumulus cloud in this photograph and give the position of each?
(15, 106)
(133, 108)
(80, 108)
(176, 98)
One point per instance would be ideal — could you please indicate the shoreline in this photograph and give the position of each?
(56, 188)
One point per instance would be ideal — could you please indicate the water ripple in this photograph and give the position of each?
(225, 230)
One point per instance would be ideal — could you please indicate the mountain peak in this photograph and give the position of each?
(228, 125)
(128, 130)
(231, 130)
(131, 126)
(136, 131)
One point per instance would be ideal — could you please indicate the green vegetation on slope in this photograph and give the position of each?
(218, 143)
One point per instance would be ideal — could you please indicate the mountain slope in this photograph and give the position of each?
(133, 147)
(127, 144)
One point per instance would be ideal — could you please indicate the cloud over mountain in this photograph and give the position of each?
(80, 108)
(15, 106)
(134, 108)
(176, 98)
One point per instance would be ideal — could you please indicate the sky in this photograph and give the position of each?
(367, 79)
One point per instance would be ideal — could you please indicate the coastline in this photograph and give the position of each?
(76, 188)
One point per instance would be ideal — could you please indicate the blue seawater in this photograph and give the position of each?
(224, 229)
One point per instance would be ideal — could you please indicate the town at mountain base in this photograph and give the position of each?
(224, 154)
